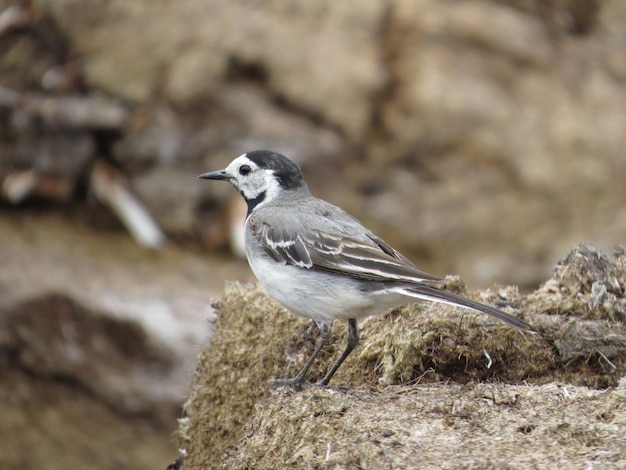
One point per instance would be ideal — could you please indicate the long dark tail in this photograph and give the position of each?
(444, 296)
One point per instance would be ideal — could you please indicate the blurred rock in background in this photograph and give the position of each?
(482, 138)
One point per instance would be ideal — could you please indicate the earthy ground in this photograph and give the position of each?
(481, 426)
(483, 138)
(97, 342)
(428, 387)
(496, 124)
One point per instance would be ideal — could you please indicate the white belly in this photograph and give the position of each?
(320, 296)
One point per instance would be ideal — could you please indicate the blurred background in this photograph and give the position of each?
(481, 138)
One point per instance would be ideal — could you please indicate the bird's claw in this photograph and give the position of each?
(294, 382)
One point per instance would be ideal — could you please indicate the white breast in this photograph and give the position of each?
(320, 296)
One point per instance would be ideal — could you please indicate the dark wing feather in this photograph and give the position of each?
(285, 247)
(370, 258)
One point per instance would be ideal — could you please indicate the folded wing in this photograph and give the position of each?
(369, 258)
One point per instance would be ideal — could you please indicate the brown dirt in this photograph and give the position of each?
(97, 342)
(56, 424)
(429, 386)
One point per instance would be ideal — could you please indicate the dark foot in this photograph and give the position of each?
(322, 384)
(294, 382)
(300, 384)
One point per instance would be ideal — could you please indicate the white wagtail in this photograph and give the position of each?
(319, 261)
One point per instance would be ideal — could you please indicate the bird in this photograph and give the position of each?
(320, 262)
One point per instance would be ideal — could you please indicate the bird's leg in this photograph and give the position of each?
(325, 333)
(353, 340)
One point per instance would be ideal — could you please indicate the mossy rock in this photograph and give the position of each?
(428, 384)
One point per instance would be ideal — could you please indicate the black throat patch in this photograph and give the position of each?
(252, 203)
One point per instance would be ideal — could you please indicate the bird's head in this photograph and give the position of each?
(260, 176)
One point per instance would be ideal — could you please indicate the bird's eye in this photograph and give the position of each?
(244, 170)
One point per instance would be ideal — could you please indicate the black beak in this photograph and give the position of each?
(215, 175)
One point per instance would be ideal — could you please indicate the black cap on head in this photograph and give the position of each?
(287, 172)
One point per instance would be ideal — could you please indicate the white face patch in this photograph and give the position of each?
(255, 182)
